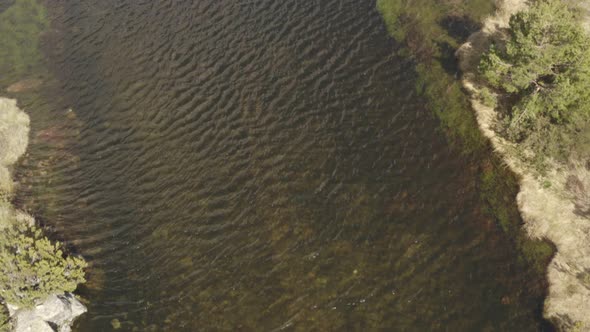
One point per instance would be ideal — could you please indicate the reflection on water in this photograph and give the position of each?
(264, 165)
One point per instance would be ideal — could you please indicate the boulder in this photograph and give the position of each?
(55, 314)
(27, 321)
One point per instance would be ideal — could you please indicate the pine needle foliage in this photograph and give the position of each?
(32, 267)
(544, 69)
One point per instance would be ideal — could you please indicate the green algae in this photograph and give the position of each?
(21, 26)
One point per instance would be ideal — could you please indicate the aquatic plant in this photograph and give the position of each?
(431, 33)
(21, 26)
(32, 267)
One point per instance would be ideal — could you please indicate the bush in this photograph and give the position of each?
(32, 268)
(487, 98)
(5, 325)
(544, 68)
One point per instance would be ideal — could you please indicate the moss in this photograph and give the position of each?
(21, 26)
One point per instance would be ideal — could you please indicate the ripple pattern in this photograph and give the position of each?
(265, 165)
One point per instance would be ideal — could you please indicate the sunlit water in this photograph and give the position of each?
(261, 165)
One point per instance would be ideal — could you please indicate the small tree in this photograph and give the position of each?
(544, 65)
(32, 268)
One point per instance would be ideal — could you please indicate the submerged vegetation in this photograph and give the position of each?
(21, 26)
(431, 33)
(542, 71)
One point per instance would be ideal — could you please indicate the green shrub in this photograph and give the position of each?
(544, 69)
(487, 98)
(32, 268)
(5, 325)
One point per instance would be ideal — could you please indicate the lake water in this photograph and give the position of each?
(261, 165)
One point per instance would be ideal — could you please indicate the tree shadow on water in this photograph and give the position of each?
(460, 27)
(447, 58)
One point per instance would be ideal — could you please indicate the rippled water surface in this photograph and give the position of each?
(262, 165)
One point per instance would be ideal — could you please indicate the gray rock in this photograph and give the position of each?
(27, 321)
(59, 311)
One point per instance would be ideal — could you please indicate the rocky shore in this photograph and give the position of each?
(560, 212)
(58, 311)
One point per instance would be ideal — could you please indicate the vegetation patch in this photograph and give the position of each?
(5, 325)
(431, 32)
(498, 188)
(542, 70)
(21, 26)
(32, 268)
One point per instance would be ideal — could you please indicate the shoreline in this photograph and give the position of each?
(445, 94)
(549, 212)
(37, 275)
(60, 308)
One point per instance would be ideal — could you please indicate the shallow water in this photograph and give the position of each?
(261, 165)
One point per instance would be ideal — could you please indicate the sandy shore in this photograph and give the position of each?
(555, 213)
